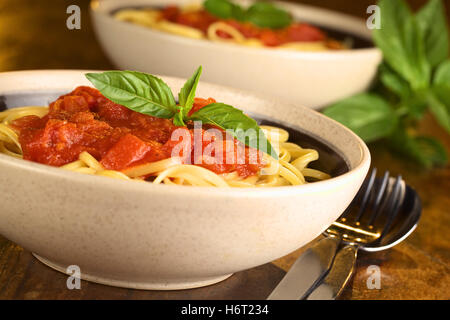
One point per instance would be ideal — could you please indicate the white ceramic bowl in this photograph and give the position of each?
(139, 235)
(312, 79)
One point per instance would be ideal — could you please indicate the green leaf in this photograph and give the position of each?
(438, 100)
(402, 44)
(442, 92)
(178, 120)
(221, 8)
(233, 120)
(416, 104)
(187, 94)
(368, 115)
(425, 151)
(266, 15)
(137, 91)
(262, 14)
(432, 22)
(394, 82)
(441, 83)
(239, 13)
(442, 75)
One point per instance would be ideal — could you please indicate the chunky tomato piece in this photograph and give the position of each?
(200, 103)
(127, 150)
(69, 105)
(150, 128)
(170, 13)
(304, 32)
(221, 153)
(200, 20)
(249, 30)
(270, 38)
(56, 144)
(31, 122)
(91, 95)
(180, 144)
(112, 112)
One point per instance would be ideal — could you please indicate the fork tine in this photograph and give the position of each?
(367, 193)
(413, 217)
(384, 198)
(377, 204)
(346, 212)
(392, 207)
(358, 198)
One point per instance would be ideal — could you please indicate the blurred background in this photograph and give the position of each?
(33, 31)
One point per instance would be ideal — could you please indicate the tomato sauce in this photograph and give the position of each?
(201, 20)
(84, 120)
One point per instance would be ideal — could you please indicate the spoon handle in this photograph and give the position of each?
(338, 276)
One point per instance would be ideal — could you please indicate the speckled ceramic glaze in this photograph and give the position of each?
(139, 235)
(311, 79)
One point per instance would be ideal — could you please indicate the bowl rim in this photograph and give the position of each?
(360, 168)
(102, 9)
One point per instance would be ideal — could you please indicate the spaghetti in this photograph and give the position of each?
(194, 22)
(25, 128)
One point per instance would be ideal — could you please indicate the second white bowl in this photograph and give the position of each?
(312, 79)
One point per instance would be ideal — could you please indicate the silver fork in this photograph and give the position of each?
(371, 223)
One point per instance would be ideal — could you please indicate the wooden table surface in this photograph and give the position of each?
(33, 35)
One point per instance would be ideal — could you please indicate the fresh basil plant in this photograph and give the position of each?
(413, 79)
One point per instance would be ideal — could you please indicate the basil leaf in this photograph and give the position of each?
(266, 15)
(368, 115)
(221, 8)
(187, 94)
(442, 92)
(137, 91)
(239, 13)
(178, 120)
(432, 22)
(442, 75)
(402, 44)
(425, 151)
(262, 14)
(416, 104)
(439, 104)
(243, 128)
(439, 99)
(393, 81)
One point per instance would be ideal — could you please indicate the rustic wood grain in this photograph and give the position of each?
(33, 36)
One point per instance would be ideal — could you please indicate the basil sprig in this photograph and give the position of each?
(261, 14)
(413, 79)
(138, 91)
(244, 128)
(224, 9)
(186, 97)
(266, 15)
(147, 94)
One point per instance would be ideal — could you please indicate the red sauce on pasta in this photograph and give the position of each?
(84, 120)
(201, 20)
